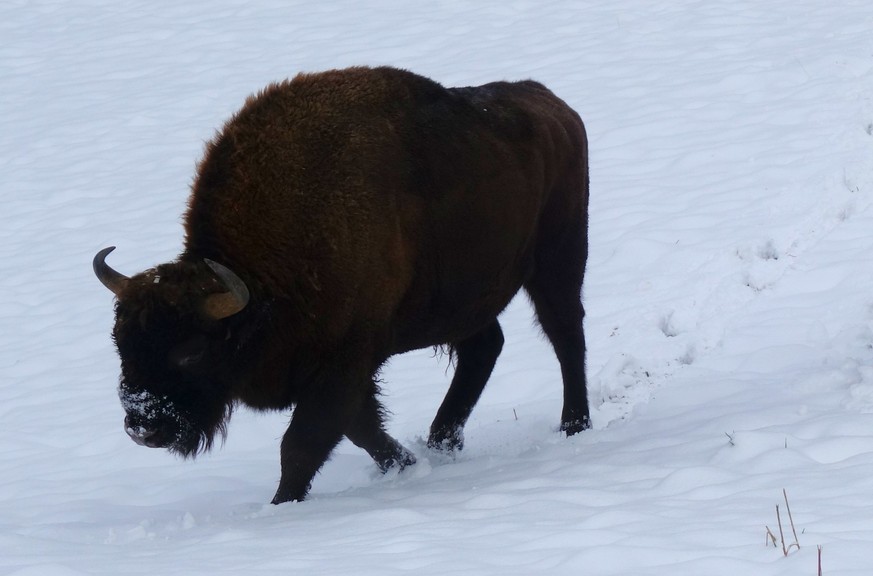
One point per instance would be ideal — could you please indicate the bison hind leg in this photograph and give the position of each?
(476, 357)
(368, 432)
(555, 291)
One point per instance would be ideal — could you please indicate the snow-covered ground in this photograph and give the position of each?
(729, 296)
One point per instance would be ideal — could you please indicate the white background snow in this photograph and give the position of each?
(729, 295)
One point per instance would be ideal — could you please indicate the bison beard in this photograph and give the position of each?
(341, 218)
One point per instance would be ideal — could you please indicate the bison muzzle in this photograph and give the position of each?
(341, 218)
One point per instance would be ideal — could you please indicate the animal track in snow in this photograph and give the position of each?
(667, 327)
(763, 265)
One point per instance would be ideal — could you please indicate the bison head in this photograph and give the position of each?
(174, 336)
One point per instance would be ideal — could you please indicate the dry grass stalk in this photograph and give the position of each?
(781, 534)
(791, 520)
(771, 538)
(796, 543)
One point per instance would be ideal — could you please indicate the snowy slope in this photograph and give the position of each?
(730, 310)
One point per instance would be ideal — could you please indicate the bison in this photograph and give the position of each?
(343, 217)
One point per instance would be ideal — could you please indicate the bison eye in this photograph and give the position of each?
(190, 352)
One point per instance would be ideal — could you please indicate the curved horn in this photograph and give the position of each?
(113, 280)
(218, 306)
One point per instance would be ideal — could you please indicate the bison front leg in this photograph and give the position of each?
(306, 446)
(318, 424)
(367, 431)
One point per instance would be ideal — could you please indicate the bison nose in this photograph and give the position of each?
(138, 433)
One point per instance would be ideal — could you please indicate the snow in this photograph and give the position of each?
(730, 310)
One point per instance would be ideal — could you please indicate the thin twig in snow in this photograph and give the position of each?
(796, 543)
(781, 534)
(791, 520)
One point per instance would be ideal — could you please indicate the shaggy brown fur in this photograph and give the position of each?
(368, 212)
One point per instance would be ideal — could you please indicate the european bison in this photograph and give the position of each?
(338, 219)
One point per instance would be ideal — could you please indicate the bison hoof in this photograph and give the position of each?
(285, 495)
(405, 459)
(400, 461)
(575, 426)
(446, 441)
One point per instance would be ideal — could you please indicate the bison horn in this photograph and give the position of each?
(113, 280)
(228, 303)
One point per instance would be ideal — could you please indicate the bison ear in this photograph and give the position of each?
(218, 306)
(113, 280)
